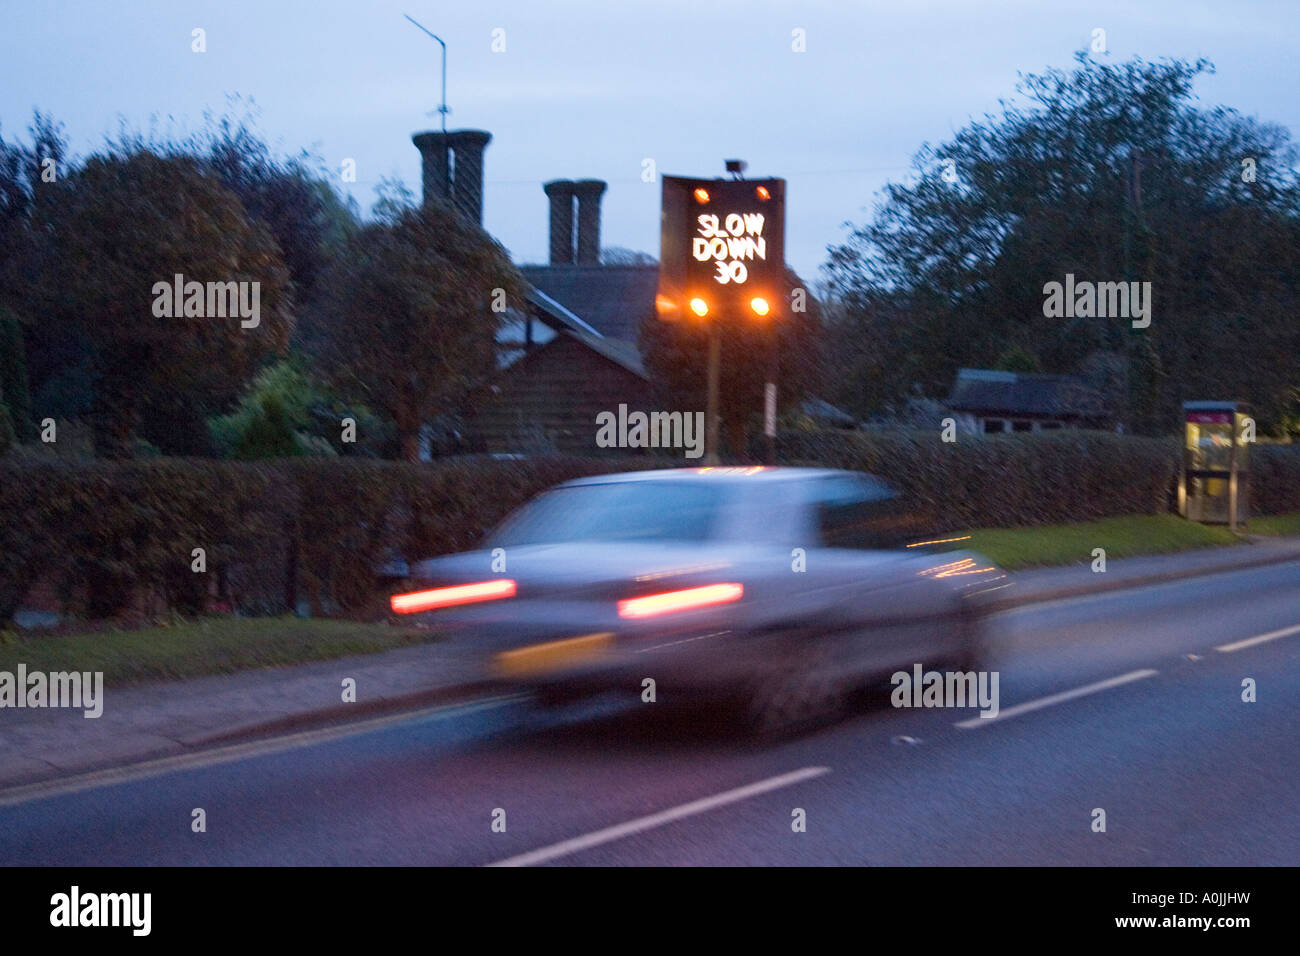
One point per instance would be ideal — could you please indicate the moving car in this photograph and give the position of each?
(773, 591)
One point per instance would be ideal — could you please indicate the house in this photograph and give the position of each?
(572, 351)
(986, 401)
(560, 370)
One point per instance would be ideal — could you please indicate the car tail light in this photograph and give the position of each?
(429, 600)
(685, 600)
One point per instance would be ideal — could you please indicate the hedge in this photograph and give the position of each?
(1005, 480)
(100, 533)
(106, 533)
(1275, 479)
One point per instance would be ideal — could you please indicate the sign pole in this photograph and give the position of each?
(769, 399)
(711, 415)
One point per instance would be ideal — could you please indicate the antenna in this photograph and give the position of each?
(443, 107)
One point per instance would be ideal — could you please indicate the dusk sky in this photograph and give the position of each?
(591, 89)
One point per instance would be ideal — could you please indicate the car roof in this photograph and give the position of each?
(717, 473)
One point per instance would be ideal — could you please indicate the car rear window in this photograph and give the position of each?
(631, 511)
(859, 512)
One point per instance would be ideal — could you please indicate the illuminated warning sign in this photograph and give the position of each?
(722, 247)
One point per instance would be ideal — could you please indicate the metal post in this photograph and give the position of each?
(1232, 475)
(769, 394)
(711, 415)
(442, 107)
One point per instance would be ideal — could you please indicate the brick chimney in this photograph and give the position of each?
(453, 169)
(589, 192)
(560, 193)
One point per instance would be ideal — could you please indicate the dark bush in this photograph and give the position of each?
(1004, 480)
(1275, 479)
(106, 535)
(357, 514)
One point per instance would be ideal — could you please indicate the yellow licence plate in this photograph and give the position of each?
(553, 655)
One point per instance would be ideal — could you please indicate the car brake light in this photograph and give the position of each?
(685, 600)
(449, 597)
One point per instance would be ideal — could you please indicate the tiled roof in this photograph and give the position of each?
(618, 351)
(612, 300)
(995, 392)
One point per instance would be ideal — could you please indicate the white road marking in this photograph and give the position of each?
(1257, 639)
(642, 650)
(235, 752)
(1056, 699)
(610, 834)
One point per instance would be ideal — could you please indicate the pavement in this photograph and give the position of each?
(157, 720)
(1127, 703)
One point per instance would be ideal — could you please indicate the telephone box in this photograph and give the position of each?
(1214, 485)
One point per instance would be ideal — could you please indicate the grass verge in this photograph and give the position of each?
(1131, 536)
(208, 646)
(1274, 524)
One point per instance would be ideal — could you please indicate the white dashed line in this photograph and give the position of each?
(640, 825)
(1042, 702)
(1257, 639)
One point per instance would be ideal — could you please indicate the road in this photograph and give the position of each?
(1133, 704)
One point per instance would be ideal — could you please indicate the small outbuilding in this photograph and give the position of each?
(988, 401)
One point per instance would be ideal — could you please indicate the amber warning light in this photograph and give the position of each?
(434, 598)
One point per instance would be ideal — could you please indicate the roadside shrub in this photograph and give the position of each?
(1004, 480)
(108, 535)
(357, 515)
(1275, 479)
(7, 436)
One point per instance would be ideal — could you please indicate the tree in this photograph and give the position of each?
(276, 417)
(7, 436)
(118, 232)
(1017, 358)
(28, 175)
(1111, 174)
(290, 195)
(13, 377)
(419, 296)
(269, 433)
(676, 355)
(31, 177)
